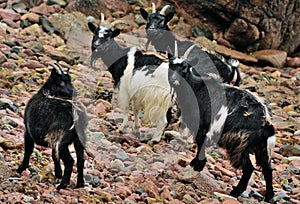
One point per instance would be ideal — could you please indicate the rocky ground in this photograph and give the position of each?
(124, 168)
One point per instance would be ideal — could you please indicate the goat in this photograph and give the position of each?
(159, 34)
(142, 79)
(53, 119)
(229, 116)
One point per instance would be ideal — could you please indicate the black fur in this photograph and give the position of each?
(163, 39)
(247, 119)
(114, 56)
(50, 114)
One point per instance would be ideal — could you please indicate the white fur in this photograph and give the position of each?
(147, 92)
(271, 145)
(102, 31)
(178, 60)
(217, 124)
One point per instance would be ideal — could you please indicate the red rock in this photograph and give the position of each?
(293, 61)
(9, 14)
(107, 196)
(166, 194)
(225, 171)
(150, 188)
(230, 201)
(32, 17)
(276, 57)
(32, 64)
(122, 190)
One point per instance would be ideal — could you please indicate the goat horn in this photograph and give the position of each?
(57, 67)
(102, 18)
(153, 7)
(176, 49)
(188, 51)
(113, 24)
(163, 10)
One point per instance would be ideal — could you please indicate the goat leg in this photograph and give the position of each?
(80, 163)
(247, 172)
(66, 157)
(29, 145)
(198, 163)
(57, 167)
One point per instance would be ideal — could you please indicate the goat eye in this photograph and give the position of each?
(62, 83)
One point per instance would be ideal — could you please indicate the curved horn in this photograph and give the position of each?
(57, 67)
(163, 10)
(188, 51)
(176, 49)
(153, 7)
(114, 23)
(102, 18)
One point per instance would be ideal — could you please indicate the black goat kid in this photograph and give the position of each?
(235, 119)
(53, 119)
(163, 39)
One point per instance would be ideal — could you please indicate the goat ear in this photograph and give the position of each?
(170, 55)
(92, 27)
(169, 17)
(144, 13)
(115, 33)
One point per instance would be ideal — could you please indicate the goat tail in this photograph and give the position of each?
(270, 146)
(271, 141)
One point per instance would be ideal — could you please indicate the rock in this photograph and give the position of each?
(105, 195)
(230, 201)
(117, 163)
(122, 190)
(290, 150)
(286, 187)
(61, 3)
(275, 57)
(34, 30)
(150, 188)
(241, 33)
(256, 195)
(225, 171)
(20, 8)
(6, 103)
(9, 14)
(188, 199)
(223, 196)
(34, 45)
(293, 61)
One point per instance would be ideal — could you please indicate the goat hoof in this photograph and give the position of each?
(236, 192)
(20, 170)
(269, 196)
(80, 185)
(61, 186)
(197, 164)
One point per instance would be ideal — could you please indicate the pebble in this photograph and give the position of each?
(256, 195)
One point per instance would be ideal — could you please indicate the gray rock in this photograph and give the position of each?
(6, 103)
(256, 195)
(122, 157)
(61, 3)
(20, 8)
(287, 187)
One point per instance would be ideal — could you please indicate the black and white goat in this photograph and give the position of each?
(142, 79)
(231, 117)
(53, 119)
(163, 39)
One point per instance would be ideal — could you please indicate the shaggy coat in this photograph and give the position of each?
(141, 78)
(53, 119)
(163, 39)
(233, 118)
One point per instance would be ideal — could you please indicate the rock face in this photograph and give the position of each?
(270, 24)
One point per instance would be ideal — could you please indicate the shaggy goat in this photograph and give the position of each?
(142, 79)
(53, 119)
(163, 39)
(231, 117)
